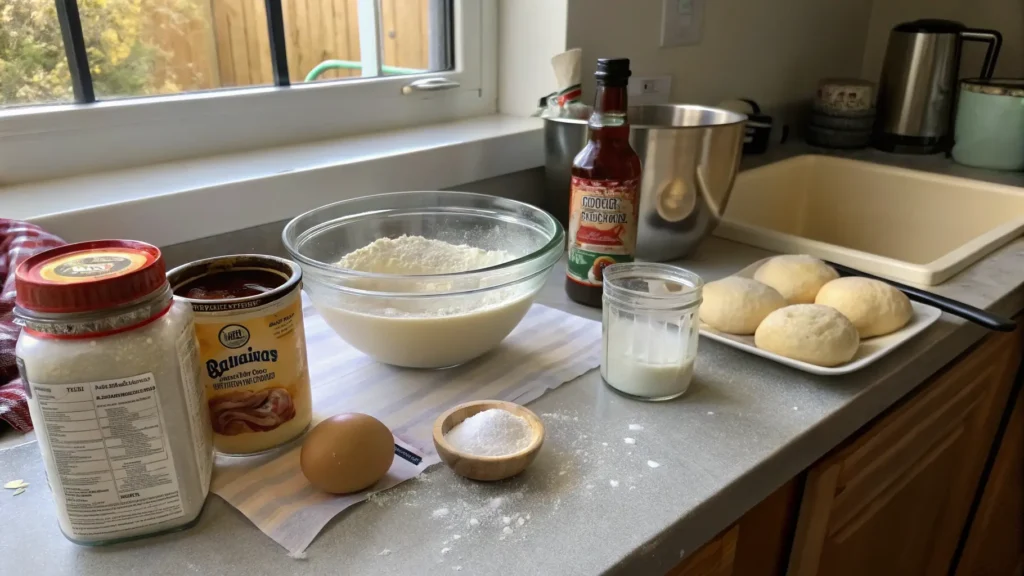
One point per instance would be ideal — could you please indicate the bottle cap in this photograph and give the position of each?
(613, 71)
(89, 276)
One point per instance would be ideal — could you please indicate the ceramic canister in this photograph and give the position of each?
(990, 124)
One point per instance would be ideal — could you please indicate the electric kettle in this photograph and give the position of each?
(918, 84)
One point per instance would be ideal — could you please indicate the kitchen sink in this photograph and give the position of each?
(902, 224)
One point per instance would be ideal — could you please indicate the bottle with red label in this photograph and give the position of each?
(604, 201)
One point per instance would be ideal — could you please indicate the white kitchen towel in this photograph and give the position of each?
(548, 348)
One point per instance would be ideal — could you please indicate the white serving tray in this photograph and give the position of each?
(869, 352)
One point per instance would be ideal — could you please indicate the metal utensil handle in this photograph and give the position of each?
(994, 40)
(954, 307)
(429, 85)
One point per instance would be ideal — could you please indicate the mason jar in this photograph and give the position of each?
(650, 328)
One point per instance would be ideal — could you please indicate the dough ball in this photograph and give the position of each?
(347, 453)
(809, 332)
(737, 305)
(797, 277)
(874, 307)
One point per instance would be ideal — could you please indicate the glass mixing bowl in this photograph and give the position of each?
(425, 321)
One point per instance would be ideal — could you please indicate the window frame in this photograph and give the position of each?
(43, 142)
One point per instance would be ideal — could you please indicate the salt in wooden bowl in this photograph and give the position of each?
(486, 468)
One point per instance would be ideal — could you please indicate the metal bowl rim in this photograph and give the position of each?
(737, 118)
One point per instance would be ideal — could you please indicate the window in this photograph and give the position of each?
(89, 85)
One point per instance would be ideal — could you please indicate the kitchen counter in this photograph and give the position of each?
(591, 503)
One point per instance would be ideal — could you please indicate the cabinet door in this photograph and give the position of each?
(894, 499)
(995, 542)
(756, 545)
(716, 558)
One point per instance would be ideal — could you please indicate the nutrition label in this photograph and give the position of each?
(109, 447)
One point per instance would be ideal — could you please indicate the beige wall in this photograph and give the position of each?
(530, 32)
(1006, 16)
(773, 51)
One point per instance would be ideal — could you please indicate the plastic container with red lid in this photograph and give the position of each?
(89, 276)
(109, 361)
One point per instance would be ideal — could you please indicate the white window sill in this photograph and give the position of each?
(181, 201)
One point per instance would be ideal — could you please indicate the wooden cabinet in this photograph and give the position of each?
(894, 500)
(896, 497)
(756, 545)
(995, 540)
(716, 558)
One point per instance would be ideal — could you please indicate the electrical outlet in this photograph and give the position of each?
(682, 22)
(649, 90)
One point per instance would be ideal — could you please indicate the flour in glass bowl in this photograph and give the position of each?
(425, 331)
(416, 255)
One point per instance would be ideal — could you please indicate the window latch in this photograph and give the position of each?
(429, 85)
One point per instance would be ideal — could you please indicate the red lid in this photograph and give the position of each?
(89, 276)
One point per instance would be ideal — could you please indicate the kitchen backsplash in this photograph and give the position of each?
(776, 52)
(526, 186)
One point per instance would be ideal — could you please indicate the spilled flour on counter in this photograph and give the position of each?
(586, 464)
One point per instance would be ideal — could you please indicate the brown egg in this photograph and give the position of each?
(347, 453)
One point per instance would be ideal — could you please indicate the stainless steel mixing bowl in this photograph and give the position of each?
(690, 156)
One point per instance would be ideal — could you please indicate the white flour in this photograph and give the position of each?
(492, 432)
(416, 255)
(425, 332)
(589, 467)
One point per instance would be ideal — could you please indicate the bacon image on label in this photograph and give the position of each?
(590, 235)
(247, 411)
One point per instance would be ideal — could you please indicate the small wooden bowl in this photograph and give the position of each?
(486, 468)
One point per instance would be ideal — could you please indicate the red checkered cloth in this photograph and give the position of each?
(18, 241)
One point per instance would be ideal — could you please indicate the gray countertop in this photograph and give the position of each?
(591, 503)
(746, 426)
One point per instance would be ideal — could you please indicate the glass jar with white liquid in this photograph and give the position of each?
(650, 329)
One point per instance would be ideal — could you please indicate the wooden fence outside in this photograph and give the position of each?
(228, 44)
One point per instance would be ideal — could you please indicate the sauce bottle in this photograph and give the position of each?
(604, 201)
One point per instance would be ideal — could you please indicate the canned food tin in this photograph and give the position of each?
(252, 348)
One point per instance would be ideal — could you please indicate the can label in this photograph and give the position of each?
(253, 366)
(602, 226)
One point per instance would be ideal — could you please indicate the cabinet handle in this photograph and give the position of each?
(429, 85)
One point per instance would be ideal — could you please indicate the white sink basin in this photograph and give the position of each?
(906, 225)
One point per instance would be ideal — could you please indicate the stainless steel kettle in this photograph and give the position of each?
(918, 84)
